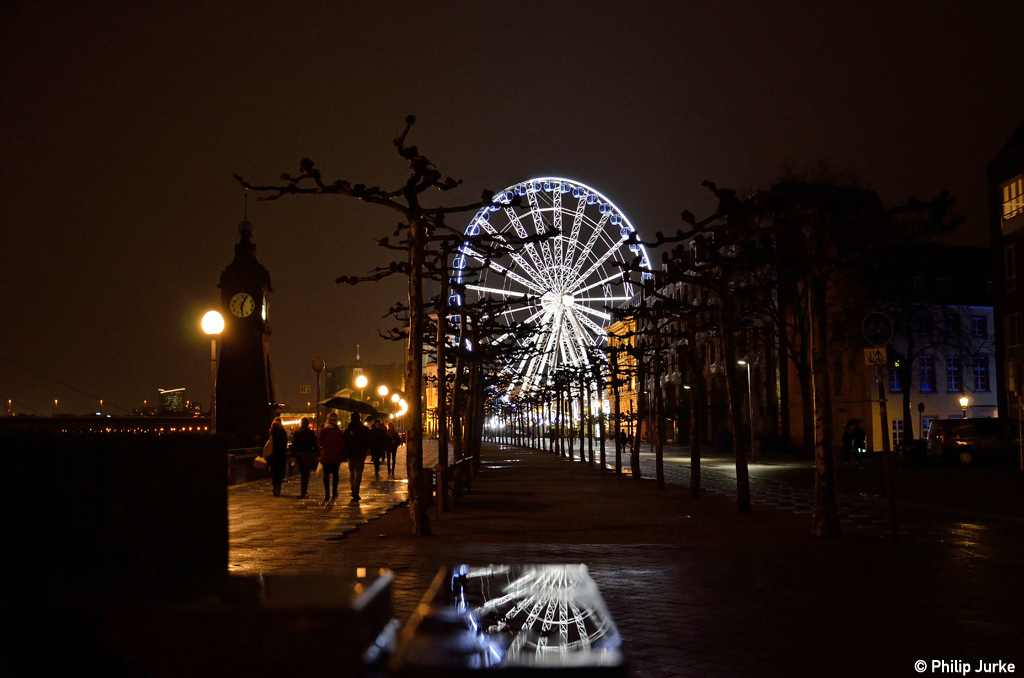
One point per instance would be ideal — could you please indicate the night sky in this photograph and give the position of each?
(122, 123)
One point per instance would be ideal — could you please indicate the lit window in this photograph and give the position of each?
(897, 433)
(1013, 197)
(894, 380)
(953, 382)
(981, 373)
(927, 365)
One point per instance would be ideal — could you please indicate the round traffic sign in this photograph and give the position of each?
(877, 328)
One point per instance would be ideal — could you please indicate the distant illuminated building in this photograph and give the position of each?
(173, 400)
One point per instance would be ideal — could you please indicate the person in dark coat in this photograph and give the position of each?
(848, 450)
(859, 436)
(278, 461)
(305, 451)
(378, 443)
(394, 440)
(357, 445)
(332, 453)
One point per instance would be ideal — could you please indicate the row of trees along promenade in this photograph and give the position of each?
(774, 264)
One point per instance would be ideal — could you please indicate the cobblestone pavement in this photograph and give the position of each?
(862, 514)
(731, 595)
(261, 525)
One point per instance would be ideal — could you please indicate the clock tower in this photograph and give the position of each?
(245, 386)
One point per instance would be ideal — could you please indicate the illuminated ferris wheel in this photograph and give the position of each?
(562, 285)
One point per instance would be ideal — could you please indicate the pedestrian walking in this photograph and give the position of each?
(278, 460)
(305, 451)
(378, 443)
(859, 440)
(848, 449)
(332, 452)
(357, 446)
(394, 440)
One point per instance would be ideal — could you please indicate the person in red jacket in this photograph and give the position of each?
(332, 452)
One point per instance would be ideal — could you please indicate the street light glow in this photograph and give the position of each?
(395, 398)
(383, 390)
(362, 381)
(963, 402)
(213, 322)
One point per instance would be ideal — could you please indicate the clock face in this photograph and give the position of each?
(242, 305)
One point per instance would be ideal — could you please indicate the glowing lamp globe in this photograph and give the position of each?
(383, 391)
(213, 323)
(362, 381)
(395, 398)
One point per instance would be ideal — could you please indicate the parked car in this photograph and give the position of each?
(962, 440)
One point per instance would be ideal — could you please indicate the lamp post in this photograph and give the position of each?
(213, 325)
(750, 405)
(361, 382)
(318, 366)
(963, 405)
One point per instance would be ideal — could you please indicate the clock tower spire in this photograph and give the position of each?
(245, 385)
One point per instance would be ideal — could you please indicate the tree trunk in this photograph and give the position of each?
(589, 420)
(414, 385)
(771, 396)
(583, 432)
(658, 414)
(826, 511)
(735, 404)
(601, 416)
(785, 429)
(807, 408)
(616, 384)
(907, 376)
(442, 392)
(694, 365)
(641, 412)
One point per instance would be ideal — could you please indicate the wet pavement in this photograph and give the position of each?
(695, 588)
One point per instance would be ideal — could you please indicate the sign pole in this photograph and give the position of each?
(318, 367)
(886, 452)
(877, 329)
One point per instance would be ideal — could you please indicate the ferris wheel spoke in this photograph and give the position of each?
(592, 311)
(577, 221)
(538, 224)
(581, 337)
(597, 264)
(591, 325)
(591, 242)
(495, 266)
(615, 276)
(556, 220)
(516, 257)
(521, 232)
(495, 290)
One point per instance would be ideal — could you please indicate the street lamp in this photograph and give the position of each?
(963, 405)
(361, 382)
(213, 325)
(750, 405)
(395, 398)
(383, 390)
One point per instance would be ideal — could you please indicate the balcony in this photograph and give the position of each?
(1012, 223)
